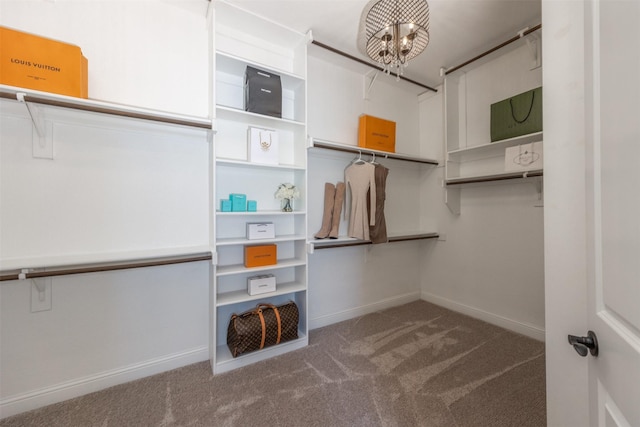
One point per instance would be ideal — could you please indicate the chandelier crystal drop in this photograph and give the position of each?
(392, 32)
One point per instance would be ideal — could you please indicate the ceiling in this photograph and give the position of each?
(459, 29)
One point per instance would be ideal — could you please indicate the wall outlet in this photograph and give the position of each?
(41, 294)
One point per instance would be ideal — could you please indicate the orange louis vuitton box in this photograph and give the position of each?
(377, 134)
(39, 63)
(260, 255)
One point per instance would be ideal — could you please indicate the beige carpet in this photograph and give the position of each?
(413, 365)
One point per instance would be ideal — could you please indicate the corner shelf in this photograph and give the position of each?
(497, 145)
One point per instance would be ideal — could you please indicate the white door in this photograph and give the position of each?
(591, 78)
(613, 206)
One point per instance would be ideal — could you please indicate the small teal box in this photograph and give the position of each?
(252, 206)
(238, 202)
(225, 205)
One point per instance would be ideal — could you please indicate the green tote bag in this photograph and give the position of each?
(516, 116)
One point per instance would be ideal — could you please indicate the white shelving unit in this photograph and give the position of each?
(469, 93)
(276, 49)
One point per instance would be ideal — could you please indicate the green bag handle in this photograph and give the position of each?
(533, 95)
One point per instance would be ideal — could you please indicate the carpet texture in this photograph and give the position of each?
(413, 365)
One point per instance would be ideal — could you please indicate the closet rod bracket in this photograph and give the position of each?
(42, 138)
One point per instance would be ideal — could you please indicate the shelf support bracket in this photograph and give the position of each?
(533, 41)
(42, 138)
(369, 80)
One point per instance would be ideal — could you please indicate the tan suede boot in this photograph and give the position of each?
(337, 209)
(329, 195)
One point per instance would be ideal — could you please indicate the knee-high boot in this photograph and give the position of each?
(329, 195)
(337, 209)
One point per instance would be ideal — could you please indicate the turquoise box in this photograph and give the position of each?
(225, 205)
(252, 206)
(238, 202)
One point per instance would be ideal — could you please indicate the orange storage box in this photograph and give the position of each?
(35, 62)
(260, 255)
(377, 134)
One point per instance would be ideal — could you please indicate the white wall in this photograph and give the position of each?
(345, 282)
(489, 262)
(150, 53)
(111, 327)
(107, 328)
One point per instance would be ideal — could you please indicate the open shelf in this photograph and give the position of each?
(497, 145)
(344, 241)
(245, 241)
(494, 177)
(227, 270)
(318, 143)
(252, 165)
(234, 297)
(100, 107)
(226, 362)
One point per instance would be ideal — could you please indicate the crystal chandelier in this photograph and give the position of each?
(392, 32)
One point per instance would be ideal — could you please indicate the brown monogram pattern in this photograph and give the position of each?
(246, 333)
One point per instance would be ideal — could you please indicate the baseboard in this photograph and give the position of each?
(46, 396)
(332, 318)
(513, 325)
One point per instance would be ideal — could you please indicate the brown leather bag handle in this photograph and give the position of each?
(264, 328)
(277, 313)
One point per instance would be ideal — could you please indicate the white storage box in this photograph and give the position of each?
(263, 146)
(260, 230)
(261, 284)
(523, 157)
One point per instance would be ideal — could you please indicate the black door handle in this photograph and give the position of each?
(584, 345)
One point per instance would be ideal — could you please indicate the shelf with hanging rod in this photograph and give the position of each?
(46, 99)
(329, 145)
(98, 267)
(348, 241)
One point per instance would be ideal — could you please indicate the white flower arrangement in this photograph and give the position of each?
(287, 191)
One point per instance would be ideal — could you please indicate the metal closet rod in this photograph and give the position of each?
(391, 240)
(353, 58)
(493, 49)
(105, 110)
(124, 265)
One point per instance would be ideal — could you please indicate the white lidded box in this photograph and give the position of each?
(261, 284)
(263, 146)
(260, 230)
(524, 157)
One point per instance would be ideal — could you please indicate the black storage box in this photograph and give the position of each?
(262, 92)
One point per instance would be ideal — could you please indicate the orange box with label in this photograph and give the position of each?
(376, 133)
(43, 64)
(260, 255)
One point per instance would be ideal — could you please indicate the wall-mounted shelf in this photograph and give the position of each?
(343, 242)
(329, 145)
(481, 149)
(96, 267)
(53, 100)
(494, 177)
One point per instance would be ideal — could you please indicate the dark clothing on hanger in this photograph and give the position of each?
(378, 232)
